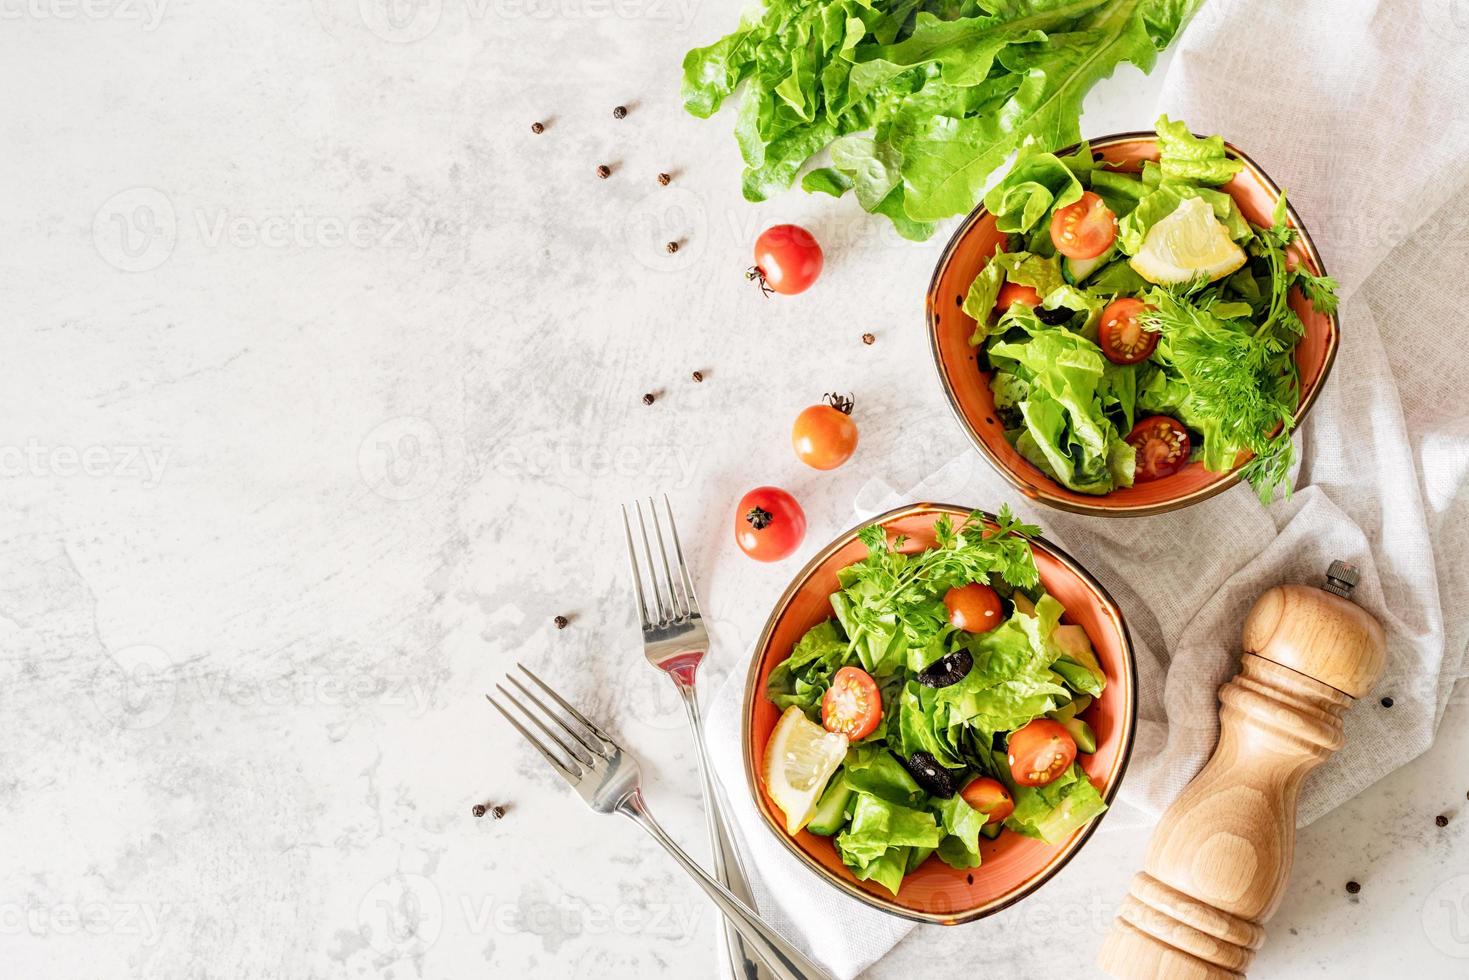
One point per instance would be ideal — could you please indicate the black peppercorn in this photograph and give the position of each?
(562, 622)
(1353, 888)
(619, 112)
(648, 398)
(537, 128)
(664, 179)
(498, 812)
(868, 339)
(698, 375)
(1387, 702)
(478, 810)
(672, 247)
(1441, 820)
(604, 171)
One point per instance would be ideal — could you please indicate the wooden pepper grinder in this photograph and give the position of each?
(1219, 861)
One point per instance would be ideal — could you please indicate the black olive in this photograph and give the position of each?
(927, 773)
(1052, 318)
(947, 670)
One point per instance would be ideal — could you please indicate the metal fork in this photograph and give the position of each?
(607, 778)
(676, 642)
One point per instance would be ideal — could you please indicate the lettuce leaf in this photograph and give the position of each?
(1066, 432)
(873, 771)
(961, 824)
(875, 844)
(803, 677)
(942, 92)
(1054, 811)
(1183, 156)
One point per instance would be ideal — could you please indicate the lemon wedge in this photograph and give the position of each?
(1188, 243)
(799, 759)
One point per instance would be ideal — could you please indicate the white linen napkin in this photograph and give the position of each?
(1357, 109)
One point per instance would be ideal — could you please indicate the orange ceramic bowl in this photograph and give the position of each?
(968, 388)
(1012, 866)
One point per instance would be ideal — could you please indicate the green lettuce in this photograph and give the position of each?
(875, 844)
(803, 677)
(918, 100)
(1182, 156)
(961, 824)
(1066, 431)
(1054, 811)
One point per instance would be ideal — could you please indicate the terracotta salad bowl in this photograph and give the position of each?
(967, 386)
(1012, 866)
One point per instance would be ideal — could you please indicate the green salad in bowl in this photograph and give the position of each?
(1135, 320)
(937, 706)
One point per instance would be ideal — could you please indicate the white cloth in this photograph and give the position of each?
(1357, 109)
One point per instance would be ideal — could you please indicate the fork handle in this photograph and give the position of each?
(784, 960)
(725, 858)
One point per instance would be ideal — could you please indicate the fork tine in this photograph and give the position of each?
(580, 757)
(585, 743)
(571, 776)
(664, 615)
(607, 740)
(679, 612)
(683, 567)
(637, 578)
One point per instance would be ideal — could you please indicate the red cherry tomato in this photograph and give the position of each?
(769, 524)
(1040, 752)
(825, 436)
(1121, 334)
(990, 797)
(1162, 448)
(1085, 229)
(1013, 292)
(787, 259)
(852, 705)
(974, 608)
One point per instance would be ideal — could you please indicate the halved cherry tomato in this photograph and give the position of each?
(852, 705)
(1013, 292)
(769, 524)
(1085, 229)
(1162, 448)
(787, 259)
(1121, 334)
(825, 436)
(990, 797)
(1040, 752)
(974, 608)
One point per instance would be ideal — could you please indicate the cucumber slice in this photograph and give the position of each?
(1073, 641)
(1082, 734)
(1071, 708)
(831, 809)
(916, 856)
(1076, 270)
